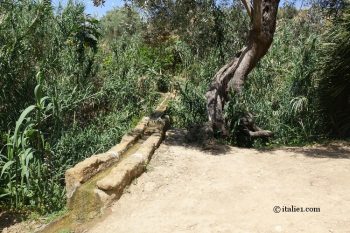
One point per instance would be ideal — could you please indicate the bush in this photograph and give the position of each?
(334, 78)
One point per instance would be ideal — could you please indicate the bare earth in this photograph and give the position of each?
(226, 189)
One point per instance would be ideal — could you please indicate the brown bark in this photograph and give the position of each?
(249, 127)
(233, 75)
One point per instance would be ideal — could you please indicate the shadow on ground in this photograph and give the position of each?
(334, 150)
(9, 218)
(181, 137)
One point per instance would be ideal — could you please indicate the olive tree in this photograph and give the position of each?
(232, 76)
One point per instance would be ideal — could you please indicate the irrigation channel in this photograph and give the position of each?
(93, 184)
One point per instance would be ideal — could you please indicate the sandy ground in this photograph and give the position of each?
(187, 189)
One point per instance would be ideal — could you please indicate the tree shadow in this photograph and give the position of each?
(182, 137)
(8, 218)
(334, 150)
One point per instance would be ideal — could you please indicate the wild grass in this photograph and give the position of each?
(64, 97)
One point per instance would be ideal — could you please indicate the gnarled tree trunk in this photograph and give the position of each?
(263, 15)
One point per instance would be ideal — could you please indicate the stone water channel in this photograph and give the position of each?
(93, 184)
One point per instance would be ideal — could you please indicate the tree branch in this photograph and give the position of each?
(247, 6)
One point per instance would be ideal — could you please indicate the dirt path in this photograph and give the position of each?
(235, 190)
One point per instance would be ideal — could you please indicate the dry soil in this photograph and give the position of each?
(226, 189)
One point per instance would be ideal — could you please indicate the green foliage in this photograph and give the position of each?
(334, 77)
(21, 44)
(120, 23)
(86, 97)
(189, 108)
(51, 54)
(26, 160)
(201, 24)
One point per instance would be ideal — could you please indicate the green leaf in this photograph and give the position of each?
(42, 100)
(4, 195)
(7, 165)
(37, 93)
(20, 121)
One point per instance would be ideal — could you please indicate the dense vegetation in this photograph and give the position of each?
(72, 85)
(63, 98)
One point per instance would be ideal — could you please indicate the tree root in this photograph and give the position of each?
(248, 131)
